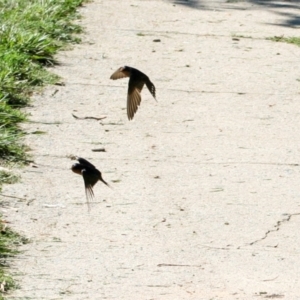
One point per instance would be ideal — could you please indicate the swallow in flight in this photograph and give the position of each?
(137, 79)
(90, 176)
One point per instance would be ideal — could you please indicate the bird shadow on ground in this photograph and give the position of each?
(291, 19)
(190, 3)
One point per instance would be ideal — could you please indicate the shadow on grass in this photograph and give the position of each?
(291, 19)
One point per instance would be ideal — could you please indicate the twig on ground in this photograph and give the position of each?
(93, 118)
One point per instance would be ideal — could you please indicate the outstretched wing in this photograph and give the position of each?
(135, 87)
(120, 73)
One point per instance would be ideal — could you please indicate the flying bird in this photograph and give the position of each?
(137, 79)
(90, 176)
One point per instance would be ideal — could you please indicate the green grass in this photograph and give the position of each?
(31, 33)
(8, 177)
(9, 242)
(290, 40)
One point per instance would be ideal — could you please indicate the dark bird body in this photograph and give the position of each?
(90, 176)
(137, 79)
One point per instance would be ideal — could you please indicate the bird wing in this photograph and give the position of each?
(134, 96)
(90, 178)
(120, 73)
(86, 163)
(89, 193)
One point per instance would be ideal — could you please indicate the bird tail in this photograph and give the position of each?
(151, 88)
(104, 181)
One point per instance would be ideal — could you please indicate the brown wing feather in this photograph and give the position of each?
(133, 101)
(120, 73)
(134, 96)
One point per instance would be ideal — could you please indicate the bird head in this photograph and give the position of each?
(126, 69)
(77, 168)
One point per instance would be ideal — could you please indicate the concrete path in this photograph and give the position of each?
(205, 182)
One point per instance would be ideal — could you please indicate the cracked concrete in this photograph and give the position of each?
(276, 228)
(211, 166)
